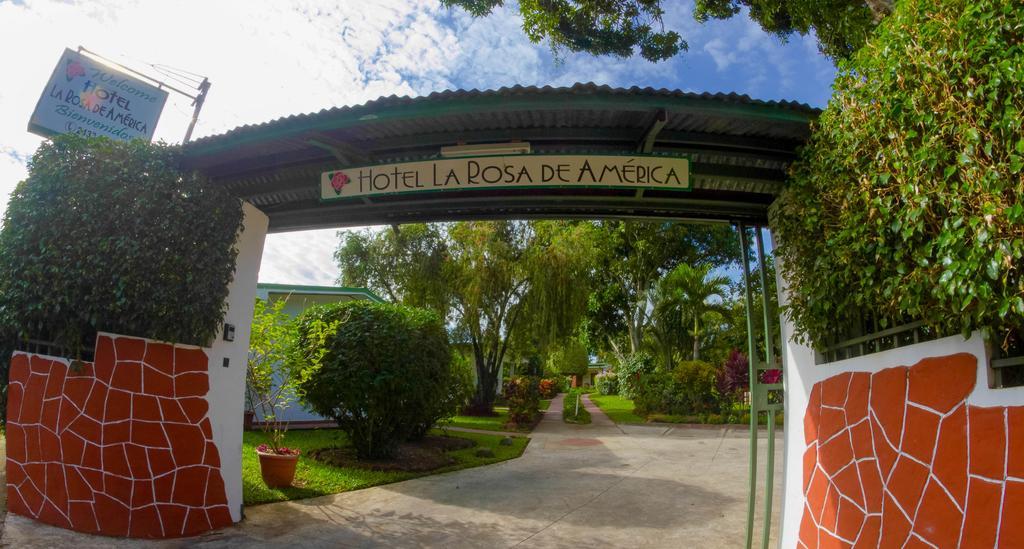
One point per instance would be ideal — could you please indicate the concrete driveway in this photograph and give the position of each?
(599, 485)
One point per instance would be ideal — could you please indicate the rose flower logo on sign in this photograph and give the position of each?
(74, 69)
(338, 181)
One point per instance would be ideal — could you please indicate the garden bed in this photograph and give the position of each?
(314, 478)
(419, 456)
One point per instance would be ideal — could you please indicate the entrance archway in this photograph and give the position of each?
(627, 154)
(387, 162)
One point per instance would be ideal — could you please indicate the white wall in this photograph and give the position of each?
(227, 385)
(802, 373)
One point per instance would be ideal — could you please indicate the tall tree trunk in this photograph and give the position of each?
(633, 323)
(696, 338)
(486, 389)
(482, 402)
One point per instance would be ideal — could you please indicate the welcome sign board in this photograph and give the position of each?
(508, 172)
(86, 97)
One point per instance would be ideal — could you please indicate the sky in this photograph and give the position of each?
(267, 59)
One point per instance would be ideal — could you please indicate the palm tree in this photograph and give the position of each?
(684, 295)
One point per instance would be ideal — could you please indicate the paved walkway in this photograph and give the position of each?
(597, 485)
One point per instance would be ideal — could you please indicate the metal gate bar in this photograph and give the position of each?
(759, 392)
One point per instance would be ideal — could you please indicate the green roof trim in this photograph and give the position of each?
(517, 98)
(332, 290)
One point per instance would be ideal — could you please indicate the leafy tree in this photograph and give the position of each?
(621, 27)
(615, 27)
(907, 199)
(633, 256)
(405, 263)
(503, 272)
(841, 26)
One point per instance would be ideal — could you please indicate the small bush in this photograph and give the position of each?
(571, 413)
(550, 387)
(607, 383)
(631, 372)
(734, 377)
(523, 398)
(383, 371)
(688, 389)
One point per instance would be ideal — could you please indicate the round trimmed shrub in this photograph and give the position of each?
(571, 359)
(381, 371)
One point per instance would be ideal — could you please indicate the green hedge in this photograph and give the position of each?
(113, 236)
(907, 199)
(570, 413)
(385, 371)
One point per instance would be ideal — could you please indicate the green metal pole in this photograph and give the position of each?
(769, 349)
(752, 367)
(769, 354)
(769, 480)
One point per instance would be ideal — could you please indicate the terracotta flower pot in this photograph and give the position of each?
(277, 471)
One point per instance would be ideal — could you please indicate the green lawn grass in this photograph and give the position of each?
(489, 423)
(619, 409)
(316, 479)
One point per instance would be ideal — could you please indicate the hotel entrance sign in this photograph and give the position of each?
(509, 172)
(89, 98)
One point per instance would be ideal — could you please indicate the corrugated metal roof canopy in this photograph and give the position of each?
(739, 149)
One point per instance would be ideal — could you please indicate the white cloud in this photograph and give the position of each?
(268, 59)
(265, 60)
(305, 257)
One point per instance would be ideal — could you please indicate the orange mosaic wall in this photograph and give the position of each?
(899, 459)
(120, 447)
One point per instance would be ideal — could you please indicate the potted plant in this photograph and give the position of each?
(277, 465)
(273, 373)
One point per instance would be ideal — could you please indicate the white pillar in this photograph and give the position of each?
(227, 381)
(797, 359)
